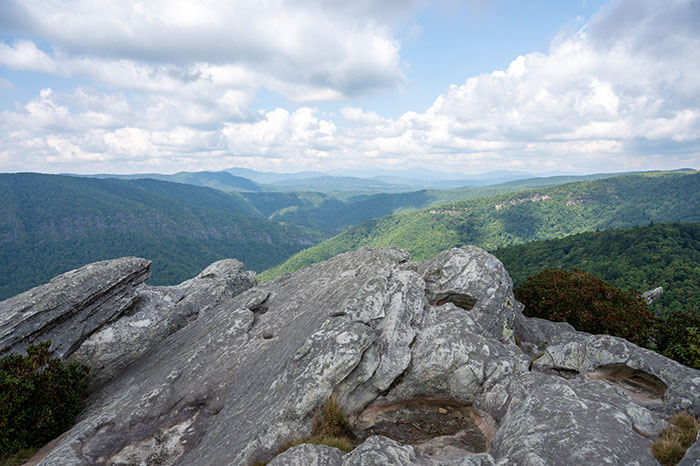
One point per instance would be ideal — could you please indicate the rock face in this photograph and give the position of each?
(422, 357)
(652, 295)
(159, 312)
(72, 306)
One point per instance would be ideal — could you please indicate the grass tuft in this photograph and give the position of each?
(670, 448)
(330, 421)
(341, 443)
(329, 427)
(687, 428)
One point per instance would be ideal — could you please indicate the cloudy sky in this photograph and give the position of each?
(133, 86)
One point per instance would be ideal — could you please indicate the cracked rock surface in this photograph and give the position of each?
(421, 357)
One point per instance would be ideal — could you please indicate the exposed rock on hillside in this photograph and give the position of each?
(652, 295)
(422, 357)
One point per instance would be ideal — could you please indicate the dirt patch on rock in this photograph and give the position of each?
(434, 427)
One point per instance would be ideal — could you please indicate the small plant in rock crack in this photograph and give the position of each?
(329, 427)
(40, 398)
(671, 446)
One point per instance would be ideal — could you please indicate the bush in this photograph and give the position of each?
(678, 337)
(40, 398)
(586, 302)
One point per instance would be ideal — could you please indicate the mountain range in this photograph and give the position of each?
(519, 217)
(52, 223)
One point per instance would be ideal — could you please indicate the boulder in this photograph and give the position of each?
(652, 295)
(421, 357)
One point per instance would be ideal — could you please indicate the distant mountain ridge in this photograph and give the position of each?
(221, 180)
(519, 217)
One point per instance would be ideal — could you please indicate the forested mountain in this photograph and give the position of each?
(642, 257)
(51, 223)
(330, 215)
(337, 185)
(219, 180)
(514, 218)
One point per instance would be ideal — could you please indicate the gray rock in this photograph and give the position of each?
(475, 280)
(381, 451)
(652, 295)
(157, 313)
(72, 306)
(533, 334)
(239, 394)
(421, 357)
(309, 455)
(692, 456)
(375, 451)
(652, 380)
(564, 424)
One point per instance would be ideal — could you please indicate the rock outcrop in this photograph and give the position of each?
(72, 306)
(433, 363)
(652, 295)
(159, 312)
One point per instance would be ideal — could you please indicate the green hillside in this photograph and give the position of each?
(642, 257)
(50, 224)
(331, 216)
(520, 217)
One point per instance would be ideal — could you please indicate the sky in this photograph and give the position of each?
(142, 86)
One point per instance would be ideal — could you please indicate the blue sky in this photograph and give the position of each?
(471, 86)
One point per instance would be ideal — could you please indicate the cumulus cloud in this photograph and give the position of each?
(621, 93)
(165, 45)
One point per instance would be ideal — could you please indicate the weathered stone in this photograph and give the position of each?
(474, 280)
(381, 451)
(560, 424)
(454, 358)
(692, 456)
(157, 313)
(652, 295)
(422, 353)
(70, 307)
(533, 334)
(309, 455)
(246, 394)
(652, 380)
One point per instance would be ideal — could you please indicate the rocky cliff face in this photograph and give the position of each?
(434, 363)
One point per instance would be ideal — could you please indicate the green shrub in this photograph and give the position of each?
(40, 398)
(678, 337)
(586, 302)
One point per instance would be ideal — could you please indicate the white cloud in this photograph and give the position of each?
(620, 93)
(299, 49)
(25, 55)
